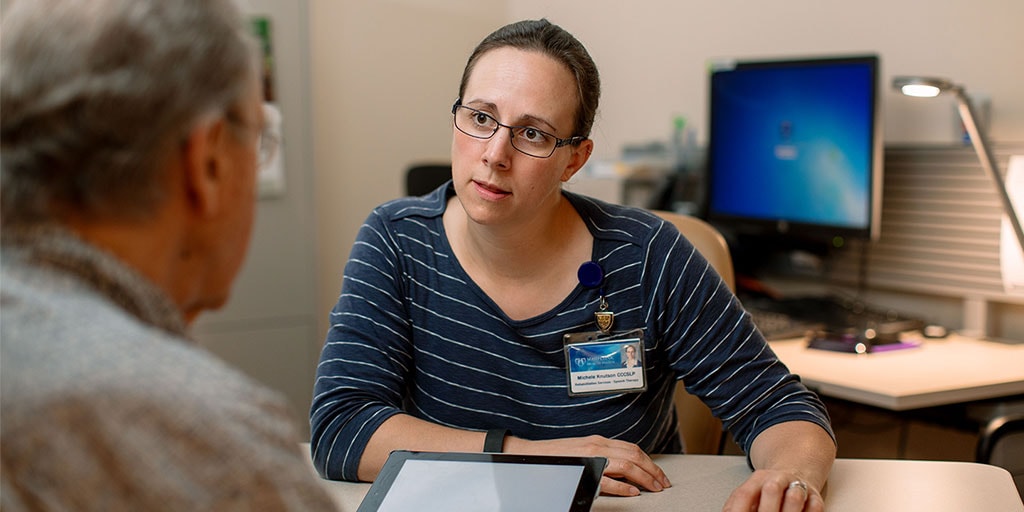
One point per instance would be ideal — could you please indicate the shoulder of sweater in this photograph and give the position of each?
(612, 221)
(427, 206)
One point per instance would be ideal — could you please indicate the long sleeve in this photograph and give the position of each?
(366, 357)
(107, 405)
(133, 446)
(715, 349)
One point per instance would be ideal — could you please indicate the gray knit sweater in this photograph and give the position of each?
(107, 406)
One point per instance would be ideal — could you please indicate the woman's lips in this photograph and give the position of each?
(490, 191)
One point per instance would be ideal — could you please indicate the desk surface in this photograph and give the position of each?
(704, 482)
(939, 372)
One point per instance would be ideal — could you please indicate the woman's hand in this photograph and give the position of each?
(793, 460)
(628, 465)
(775, 491)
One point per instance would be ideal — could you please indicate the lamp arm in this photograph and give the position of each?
(981, 147)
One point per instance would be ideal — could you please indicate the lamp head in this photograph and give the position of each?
(922, 87)
(928, 87)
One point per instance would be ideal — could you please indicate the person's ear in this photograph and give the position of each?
(580, 155)
(205, 160)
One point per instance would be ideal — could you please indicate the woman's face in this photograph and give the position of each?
(496, 183)
(630, 352)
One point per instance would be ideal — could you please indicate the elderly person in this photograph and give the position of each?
(130, 135)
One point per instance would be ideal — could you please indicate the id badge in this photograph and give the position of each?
(605, 363)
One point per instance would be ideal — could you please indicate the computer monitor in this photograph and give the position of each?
(795, 150)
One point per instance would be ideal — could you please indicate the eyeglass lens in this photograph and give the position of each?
(267, 146)
(269, 138)
(525, 139)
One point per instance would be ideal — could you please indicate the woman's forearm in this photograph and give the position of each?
(405, 432)
(801, 447)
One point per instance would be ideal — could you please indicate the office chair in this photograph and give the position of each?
(1001, 443)
(700, 430)
(423, 178)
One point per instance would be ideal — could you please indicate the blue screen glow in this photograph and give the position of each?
(794, 141)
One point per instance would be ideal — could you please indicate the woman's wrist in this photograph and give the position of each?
(494, 441)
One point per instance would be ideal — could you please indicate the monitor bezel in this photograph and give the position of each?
(825, 233)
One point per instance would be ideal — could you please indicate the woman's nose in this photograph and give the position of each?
(499, 148)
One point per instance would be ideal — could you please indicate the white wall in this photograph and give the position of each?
(384, 73)
(384, 77)
(652, 55)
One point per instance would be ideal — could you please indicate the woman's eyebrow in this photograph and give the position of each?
(520, 121)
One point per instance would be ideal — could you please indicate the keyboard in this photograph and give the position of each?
(799, 316)
(780, 326)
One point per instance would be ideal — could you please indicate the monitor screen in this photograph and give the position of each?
(794, 148)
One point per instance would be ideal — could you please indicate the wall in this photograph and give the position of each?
(381, 90)
(384, 77)
(653, 53)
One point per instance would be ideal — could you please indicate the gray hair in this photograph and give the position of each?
(96, 94)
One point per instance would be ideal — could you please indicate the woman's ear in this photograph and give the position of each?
(580, 155)
(204, 165)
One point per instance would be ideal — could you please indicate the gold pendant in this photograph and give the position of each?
(604, 320)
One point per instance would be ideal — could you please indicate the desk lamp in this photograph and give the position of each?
(926, 87)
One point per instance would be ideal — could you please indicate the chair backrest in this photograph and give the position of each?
(424, 178)
(707, 240)
(700, 430)
(1001, 443)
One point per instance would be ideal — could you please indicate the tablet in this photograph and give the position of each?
(446, 481)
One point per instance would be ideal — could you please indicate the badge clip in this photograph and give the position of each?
(604, 318)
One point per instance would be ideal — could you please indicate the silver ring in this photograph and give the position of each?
(798, 483)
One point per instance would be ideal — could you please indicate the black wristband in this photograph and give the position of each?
(494, 442)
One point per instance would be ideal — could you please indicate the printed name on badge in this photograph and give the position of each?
(606, 366)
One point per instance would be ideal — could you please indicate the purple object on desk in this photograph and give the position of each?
(886, 347)
(851, 344)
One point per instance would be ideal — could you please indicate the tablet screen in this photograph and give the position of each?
(426, 481)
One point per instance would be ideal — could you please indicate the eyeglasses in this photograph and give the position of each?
(268, 139)
(268, 145)
(525, 139)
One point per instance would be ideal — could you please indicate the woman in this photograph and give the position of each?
(454, 308)
(629, 359)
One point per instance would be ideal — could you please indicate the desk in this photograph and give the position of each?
(946, 371)
(704, 482)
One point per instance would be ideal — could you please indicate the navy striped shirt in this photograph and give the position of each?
(412, 333)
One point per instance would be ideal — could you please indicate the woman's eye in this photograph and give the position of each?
(533, 135)
(481, 119)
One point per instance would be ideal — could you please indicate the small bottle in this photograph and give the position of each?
(679, 150)
(686, 175)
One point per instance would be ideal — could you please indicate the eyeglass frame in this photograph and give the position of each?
(267, 142)
(574, 140)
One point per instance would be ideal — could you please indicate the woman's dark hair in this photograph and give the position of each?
(551, 40)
